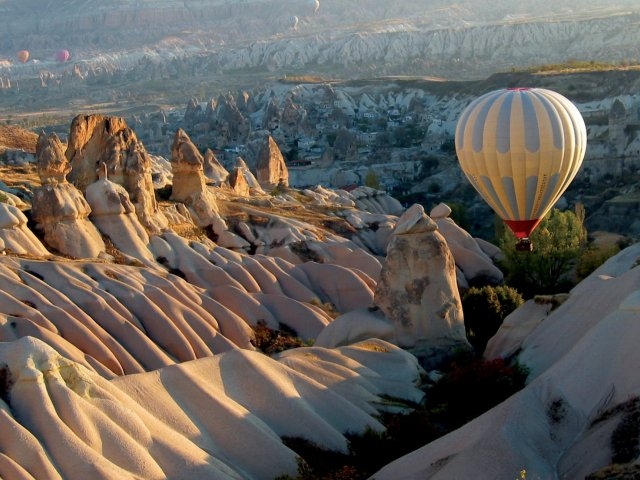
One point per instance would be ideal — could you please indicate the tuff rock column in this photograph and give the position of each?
(417, 290)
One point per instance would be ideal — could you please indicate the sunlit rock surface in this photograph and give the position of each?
(59, 208)
(582, 357)
(95, 140)
(417, 290)
(210, 418)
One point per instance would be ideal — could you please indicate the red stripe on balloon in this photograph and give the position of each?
(522, 228)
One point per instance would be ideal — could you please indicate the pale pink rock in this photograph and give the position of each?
(355, 326)
(249, 177)
(515, 328)
(59, 208)
(417, 290)
(338, 285)
(271, 168)
(62, 213)
(238, 183)
(189, 183)
(442, 210)
(213, 170)
(305, 320)
(95, 140)
(15, 234)
(568, 379)
(349, 256)
(468, 255)
(115, 216)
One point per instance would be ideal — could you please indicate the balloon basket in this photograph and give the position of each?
(524, 245)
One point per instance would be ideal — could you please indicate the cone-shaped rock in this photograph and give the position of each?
(189, 184)
(417, 290)
(213, 170)
(271, 168)
(52, 165)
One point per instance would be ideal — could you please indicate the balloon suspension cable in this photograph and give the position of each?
(524, 245)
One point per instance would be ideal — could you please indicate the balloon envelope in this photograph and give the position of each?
(520, 149)
(62, 55)
(23, 56)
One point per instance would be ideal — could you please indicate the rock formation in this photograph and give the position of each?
(238, 182)
(115, 216)
(581, 394)
(229, 125)
(251, 180)
(473, 264)
(189, 183)
(187, 166)
(417, 290)
(213, 170)
(271, 117)
(59, 208)
(15, 235)
(202, 419)
(95, 140)
(271, 168)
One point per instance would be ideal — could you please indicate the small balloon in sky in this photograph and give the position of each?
(62, 55)
(23, 56)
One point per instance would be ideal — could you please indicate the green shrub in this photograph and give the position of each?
(485, 309)
(591, 258)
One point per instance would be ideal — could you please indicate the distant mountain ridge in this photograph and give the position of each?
(461, 40)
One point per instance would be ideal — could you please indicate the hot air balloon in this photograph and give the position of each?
(293, 21)
(520, 148)
(23, 56)
(62, 55)
(314, 4)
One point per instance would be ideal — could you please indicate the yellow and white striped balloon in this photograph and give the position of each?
(520, 148)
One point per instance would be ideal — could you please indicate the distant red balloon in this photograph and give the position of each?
(23, 56)
(62, 55)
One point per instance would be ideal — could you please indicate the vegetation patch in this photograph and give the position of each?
(302, 250)
(270, 341)
(557, 242)
(468, 388)
(556, 410)
(485, 309)
(327, 307)
(625, 439)
(6, 382)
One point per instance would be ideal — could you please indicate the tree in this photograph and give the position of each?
(372, 180)
(557, 242)
(485, 309)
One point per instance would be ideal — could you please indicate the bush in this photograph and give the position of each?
(592, 258)
(484, 310)
(467, 389)
(270, 341)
